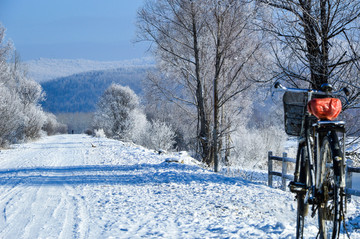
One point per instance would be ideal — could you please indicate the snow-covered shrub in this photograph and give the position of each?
(11, 117)
(61, 128)
(119, 116)
(251, 146)
(30, 94)
(160, 136)
(139, 128)
(99, 133)
(52, 126)
(34, 120)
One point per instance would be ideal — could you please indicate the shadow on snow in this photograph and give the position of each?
(139, 174)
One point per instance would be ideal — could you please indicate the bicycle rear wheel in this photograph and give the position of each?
(329, 204)
(302, 206)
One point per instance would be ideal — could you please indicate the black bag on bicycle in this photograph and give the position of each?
(294, 111)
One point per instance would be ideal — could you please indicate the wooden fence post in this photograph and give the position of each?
(284, 172)
(349, 163)
(270, 168)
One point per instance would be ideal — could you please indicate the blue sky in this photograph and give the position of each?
(73, 29)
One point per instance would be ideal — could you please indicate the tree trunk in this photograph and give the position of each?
(203, 134)
(218, 57)
(313, 48)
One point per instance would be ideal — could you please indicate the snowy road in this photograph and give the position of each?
(62, 187)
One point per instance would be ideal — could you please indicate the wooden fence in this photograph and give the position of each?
(285, 176)
(284, 172)
(349, 173)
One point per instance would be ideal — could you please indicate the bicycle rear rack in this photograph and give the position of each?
(338, 126)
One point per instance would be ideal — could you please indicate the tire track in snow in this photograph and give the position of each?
(62, 212)
(18, 194)
(80, 213)
(6, 200)
(48, 209)
(75, 218)
(19, 214)
(34, 225)
(41, 209)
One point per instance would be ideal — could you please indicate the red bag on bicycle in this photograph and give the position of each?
(325, 108)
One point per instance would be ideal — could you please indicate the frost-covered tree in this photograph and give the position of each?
(160, 136)
(117, 112)
(21, 117)
(11, 117)
(35, 119)
(204, 49)
(29, 91)
(5, 48)
(30, 94)
(316, 41)
(260, 129)
(139, 127)
(52, 126)
(176, 27)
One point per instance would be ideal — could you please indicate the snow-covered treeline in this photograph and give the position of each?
(21, 116)
(120, 115)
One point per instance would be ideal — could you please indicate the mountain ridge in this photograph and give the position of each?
(47, 69)
(80, 92)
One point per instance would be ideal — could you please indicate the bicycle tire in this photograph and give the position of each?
(329, 204)
(302, 207)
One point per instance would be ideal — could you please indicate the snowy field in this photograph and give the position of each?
(76, 186)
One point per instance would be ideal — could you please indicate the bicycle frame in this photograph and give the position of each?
(312, 141)
(332, 128)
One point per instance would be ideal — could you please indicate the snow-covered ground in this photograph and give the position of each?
(76, 186)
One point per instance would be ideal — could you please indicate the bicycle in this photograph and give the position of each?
(319, 177)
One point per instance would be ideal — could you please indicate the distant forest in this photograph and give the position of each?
(80, 92)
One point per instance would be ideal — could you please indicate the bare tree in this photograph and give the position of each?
(203, 49)
(235, 47)
(314, 39)
(176, 28)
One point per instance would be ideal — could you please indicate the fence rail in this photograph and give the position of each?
(285, 176)
(349, 173)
